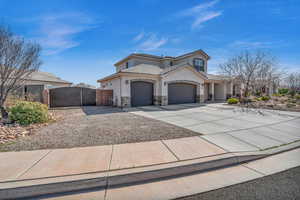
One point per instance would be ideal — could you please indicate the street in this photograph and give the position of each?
(281, 186)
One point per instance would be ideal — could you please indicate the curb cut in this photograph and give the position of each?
(25, 188)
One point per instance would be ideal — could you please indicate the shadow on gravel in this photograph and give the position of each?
(99, 110)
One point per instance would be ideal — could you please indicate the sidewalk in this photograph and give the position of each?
(177, 186)
(62, 162)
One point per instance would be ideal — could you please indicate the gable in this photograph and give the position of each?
(186, 73)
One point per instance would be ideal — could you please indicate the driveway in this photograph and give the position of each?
(231, 128)
(92, 126)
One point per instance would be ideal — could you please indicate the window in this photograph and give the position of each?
(199, 64)
(171, 63)
(127, 65)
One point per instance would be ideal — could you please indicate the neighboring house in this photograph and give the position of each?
(143, 79)
(84, 85)
(38, 81)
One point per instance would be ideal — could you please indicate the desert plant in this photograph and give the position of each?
(232, 101)
(290, 105)
(25, 113)
(265, 98)
(283, 91)
(277, 95)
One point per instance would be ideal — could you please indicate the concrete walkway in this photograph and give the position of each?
(192, 184)
(226, 130)
(231, 128)
(61, 162)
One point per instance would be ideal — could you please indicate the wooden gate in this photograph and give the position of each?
(104, 97)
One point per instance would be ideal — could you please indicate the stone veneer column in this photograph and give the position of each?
(157, 100)
(164, 100)
(125, 102)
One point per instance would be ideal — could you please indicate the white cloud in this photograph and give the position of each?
(151, 42)
(139, 36)
(251, 44)
(201, 13)
(57, 32)
(198, 8)
(205, 17)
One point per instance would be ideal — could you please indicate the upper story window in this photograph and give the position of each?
(199, 64)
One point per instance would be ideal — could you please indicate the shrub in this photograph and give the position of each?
(25, 113)
(283, 91)
(297, 96)
(277, 95)
(265, 98)
(290, 105)
(232, 101)
(258, 99)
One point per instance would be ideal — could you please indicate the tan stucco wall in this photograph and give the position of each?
(182, 75)
(190, 60)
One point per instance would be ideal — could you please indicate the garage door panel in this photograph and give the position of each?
(141, 93)
(179, 93)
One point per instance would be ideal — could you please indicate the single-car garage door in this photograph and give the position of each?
(141, 93)
(181, 93)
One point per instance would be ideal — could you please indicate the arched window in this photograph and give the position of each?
(199, 64)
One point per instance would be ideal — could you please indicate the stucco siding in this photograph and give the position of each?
(190, 60)
(219, 91)
(182, 75)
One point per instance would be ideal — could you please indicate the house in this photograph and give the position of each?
(143, 79)
(37, 82)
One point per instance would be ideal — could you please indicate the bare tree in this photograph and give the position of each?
(293, 82)
(251, 69)
(18, 59)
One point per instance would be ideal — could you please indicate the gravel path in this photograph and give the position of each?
(97, 126)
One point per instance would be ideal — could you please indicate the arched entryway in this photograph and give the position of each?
(141, 93)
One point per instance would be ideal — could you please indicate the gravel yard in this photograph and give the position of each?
(96, 126)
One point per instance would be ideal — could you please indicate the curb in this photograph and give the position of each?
(53, 186)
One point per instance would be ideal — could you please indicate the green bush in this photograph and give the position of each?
(258, 99)
(25, 113)
(283, 91)
(297, 96)
(277, 95)
(232, 101)
(265, 98)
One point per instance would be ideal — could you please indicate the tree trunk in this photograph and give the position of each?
(4, 113)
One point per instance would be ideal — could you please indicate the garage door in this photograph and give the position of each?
(181, 93)
(141, 93)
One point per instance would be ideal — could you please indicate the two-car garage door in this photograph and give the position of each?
(179, 93)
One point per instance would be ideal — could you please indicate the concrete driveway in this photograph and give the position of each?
(232, 128)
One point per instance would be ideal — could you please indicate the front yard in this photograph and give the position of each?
(275, 102)
(91, 126)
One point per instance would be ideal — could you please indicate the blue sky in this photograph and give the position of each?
(81, 39)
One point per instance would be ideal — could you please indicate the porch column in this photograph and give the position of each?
(225, 90)
(212, 91)
(231, 88)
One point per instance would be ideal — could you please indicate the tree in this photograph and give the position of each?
(293, 82)
(18, 59)
(253, 70)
